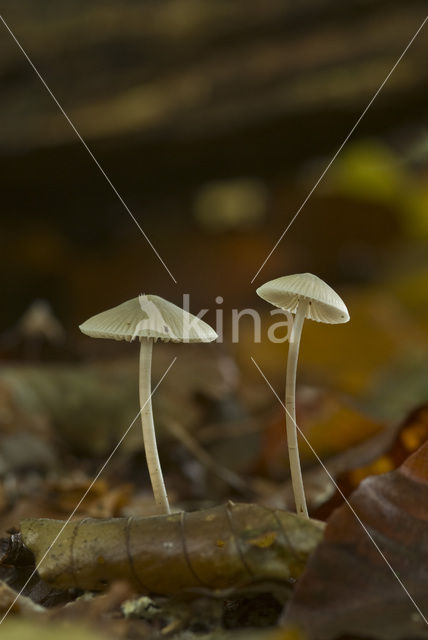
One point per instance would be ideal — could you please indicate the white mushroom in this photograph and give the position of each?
(149, 318)
(307, 296)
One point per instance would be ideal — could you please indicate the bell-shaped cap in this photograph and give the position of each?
(150, 317)
(324, 303)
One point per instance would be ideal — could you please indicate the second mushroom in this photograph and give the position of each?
(148, 319)
(307, 296)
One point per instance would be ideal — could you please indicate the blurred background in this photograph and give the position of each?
(214, 120)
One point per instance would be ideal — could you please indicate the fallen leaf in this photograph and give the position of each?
(382, 454)
(12, 602)
(166, 554)
(18, 575)
(348, 587)
(101, 501)
(30, 630)
(328, 420)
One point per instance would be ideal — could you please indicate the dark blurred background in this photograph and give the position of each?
(214, 120)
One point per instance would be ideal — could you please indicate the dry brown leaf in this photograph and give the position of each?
(347, 587)
(228, 546)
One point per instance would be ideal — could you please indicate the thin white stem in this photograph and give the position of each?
(290, 403)
(149, 434)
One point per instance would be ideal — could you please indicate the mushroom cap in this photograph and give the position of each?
(148, 316)
(286, 292)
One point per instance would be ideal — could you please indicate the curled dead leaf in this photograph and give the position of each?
(348, 587)
(227, 546)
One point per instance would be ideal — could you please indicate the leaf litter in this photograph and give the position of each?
(224, 437)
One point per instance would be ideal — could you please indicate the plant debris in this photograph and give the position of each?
(228, 546)
(348, 587)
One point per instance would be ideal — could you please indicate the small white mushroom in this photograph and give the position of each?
(307, 296)
(149, 318)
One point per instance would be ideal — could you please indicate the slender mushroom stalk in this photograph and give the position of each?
(307, 296)
(149, 434)
(290, 409)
